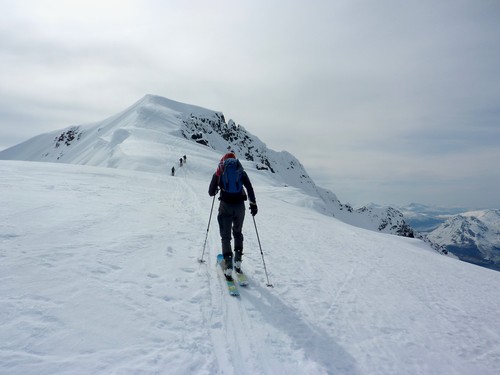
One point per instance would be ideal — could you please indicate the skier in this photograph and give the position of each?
(173, 171)
(231, 178)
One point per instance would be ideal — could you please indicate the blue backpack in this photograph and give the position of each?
(231, 177)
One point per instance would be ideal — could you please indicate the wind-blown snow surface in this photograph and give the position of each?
(99, 275)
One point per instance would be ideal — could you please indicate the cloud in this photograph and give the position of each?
(384, 94)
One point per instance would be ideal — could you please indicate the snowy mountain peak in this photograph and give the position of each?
(470, 228)
(151, 135)
(472, 236)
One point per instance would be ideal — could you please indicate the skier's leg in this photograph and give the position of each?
(225, 220)
(238, 218)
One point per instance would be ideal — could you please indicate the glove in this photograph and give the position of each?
(253, 209)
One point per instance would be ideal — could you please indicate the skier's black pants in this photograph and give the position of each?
(230, 218)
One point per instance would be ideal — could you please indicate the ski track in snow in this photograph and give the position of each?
(99, 275)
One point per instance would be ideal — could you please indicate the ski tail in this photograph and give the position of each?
(242, 279)
(231, 285)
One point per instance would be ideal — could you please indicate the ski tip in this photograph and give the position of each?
(270, 285)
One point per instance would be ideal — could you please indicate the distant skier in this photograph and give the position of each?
(180, 162)
(231, 178)
(184, 157)
(173, 171)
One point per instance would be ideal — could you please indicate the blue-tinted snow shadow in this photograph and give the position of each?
(316, 343)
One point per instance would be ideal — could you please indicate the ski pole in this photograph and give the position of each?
(261, 253)
(206, 236)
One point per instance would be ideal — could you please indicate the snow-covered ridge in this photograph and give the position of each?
(214, 132)
(140, 138)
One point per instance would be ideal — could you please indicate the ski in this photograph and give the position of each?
(242, 279)
(231, 286)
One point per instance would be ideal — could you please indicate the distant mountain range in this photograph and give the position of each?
(471, 236)
(156, 122)
(424, 218)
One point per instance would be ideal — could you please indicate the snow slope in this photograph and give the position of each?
(99, 275)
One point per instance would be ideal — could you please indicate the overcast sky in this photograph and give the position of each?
(385, 101)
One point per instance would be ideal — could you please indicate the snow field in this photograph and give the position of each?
(99, 275)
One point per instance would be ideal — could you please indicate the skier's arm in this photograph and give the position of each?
(214, 186)
(249, 187)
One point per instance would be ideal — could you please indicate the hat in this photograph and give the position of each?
(220, 167)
